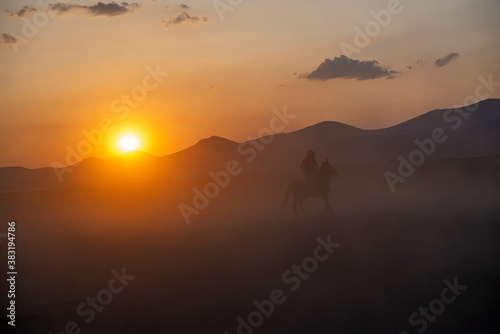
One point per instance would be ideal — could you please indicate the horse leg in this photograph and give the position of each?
(295, 205)
(295, 209)
(301, 205)
(327, 205)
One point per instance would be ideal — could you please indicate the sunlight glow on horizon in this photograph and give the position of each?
(129, 142)
(226, 77)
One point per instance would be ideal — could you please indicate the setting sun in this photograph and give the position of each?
(129, 142)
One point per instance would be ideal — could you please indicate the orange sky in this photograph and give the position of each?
(226, 76)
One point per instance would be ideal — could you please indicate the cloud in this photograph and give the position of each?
(179, 5)
(111, 9)
(99, 9)
(9, 39)
(440, 62)
(416, 64)
(181, 18)
(22, 12)
(347, 68)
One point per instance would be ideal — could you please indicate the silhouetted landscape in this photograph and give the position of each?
(395, 248)
(249, 167)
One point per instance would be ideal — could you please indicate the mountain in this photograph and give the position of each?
(340, 143)
(315, 135)
(477, 135)
(208, 152)
(19, 178)
(483, 111)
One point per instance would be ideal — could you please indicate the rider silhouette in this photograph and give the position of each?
(309, 165)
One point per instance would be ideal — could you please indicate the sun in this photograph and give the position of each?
(129, 142)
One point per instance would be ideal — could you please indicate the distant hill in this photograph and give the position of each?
(486, 110)
(478, 135)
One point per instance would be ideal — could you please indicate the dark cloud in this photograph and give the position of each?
(179, 5)
(440, 62)
(183, 17)
(417, 63)
(99, 9)
(347, 68)
(111, 9)
(23, 11)
(9, 39)
(62, 8)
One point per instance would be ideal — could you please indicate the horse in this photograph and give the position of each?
(317, 186)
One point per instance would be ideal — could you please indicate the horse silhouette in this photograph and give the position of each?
(316, 186)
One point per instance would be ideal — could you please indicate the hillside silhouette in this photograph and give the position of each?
(396, 248)
(346, 145)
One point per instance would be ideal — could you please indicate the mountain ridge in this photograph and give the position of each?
(341, 143)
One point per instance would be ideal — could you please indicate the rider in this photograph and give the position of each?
(309, 165)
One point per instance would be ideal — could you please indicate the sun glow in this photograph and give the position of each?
(129, 142)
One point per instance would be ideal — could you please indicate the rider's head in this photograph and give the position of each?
(310, 154)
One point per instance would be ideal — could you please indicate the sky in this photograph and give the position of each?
(82, 71)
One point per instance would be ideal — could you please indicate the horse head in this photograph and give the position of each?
(327, 169)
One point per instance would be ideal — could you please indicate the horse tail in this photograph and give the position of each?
(287, 194)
